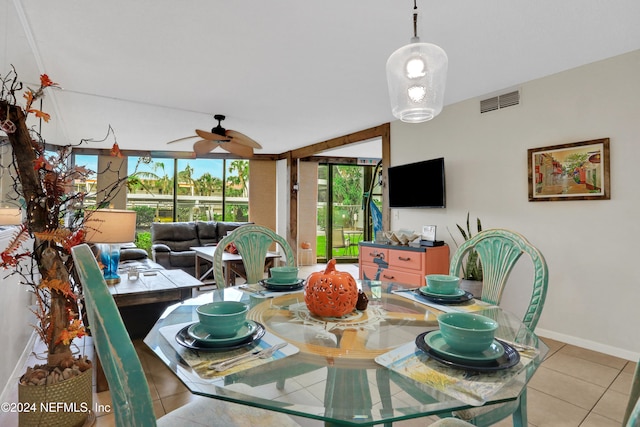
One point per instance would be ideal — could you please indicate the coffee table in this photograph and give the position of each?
(232, 263)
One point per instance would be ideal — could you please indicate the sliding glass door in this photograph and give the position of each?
(341, 220)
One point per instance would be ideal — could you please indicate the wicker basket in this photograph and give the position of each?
(67, 403)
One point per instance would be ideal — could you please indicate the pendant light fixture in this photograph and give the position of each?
(416, 75)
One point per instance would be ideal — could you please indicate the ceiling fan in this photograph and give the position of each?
(230, 140)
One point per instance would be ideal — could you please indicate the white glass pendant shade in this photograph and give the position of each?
(417, 75)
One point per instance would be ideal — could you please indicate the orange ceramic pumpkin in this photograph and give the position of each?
(331, 293)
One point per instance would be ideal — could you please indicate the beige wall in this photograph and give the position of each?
(262, 193)
(111, 170)
(307, 208)
(590, 246)
(6, 176)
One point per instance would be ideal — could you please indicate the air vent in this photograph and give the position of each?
(501, 101)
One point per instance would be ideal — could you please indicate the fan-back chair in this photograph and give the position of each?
(132, 404)
(632, 414)
(253, 243)
(499, 250)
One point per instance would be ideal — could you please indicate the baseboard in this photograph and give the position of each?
(589, 345)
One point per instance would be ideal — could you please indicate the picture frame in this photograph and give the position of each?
(574, 171)
(429, 232)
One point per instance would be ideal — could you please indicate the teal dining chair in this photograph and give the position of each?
(253, 243)
(632, 414)
(499, 250)
(130, 396)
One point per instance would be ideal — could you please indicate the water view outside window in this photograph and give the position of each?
(205, 189)
(193, 189)
(150, 190)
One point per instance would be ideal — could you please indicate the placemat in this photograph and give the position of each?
(469, 306)
(259, 291)
(468, 387)
(200, 360)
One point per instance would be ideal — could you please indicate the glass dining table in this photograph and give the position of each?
(373, 366)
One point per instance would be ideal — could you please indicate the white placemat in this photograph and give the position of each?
(471, 305)
(200, 360)
(259, 291)
(471, 388)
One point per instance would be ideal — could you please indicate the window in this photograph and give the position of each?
(164, 189)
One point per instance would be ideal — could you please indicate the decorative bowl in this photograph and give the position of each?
(467, 332)
(442, 283)
(222, 319)
(284, 274)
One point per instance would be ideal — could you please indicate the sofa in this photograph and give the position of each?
(171, 242)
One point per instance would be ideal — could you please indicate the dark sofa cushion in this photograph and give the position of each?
(178, 236)
(183, 259)
(207, 232)
(128, 254)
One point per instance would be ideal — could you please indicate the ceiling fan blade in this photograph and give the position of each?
(212, 136)
(182, 139)
(204, 146)
(237, 148)
(242, 139)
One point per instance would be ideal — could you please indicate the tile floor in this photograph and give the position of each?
(574, 387)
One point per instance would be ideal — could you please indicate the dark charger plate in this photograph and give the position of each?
(282, 288)
(509, 359)
(467, 296)
(183, 338)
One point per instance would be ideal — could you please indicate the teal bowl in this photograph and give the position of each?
(284, 275)
(467, 332)
(442, 283)
(222, 319)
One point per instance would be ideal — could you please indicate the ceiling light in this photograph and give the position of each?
(416, 75)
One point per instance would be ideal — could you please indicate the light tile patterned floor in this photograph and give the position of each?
(574, 387)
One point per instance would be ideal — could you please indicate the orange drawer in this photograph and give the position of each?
(368, 271)
(413, 279)
(405, 260)
(367, 254)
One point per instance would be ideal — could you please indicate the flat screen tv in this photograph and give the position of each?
(417, 185)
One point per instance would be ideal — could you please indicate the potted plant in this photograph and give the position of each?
(471, 267)
(54, 222)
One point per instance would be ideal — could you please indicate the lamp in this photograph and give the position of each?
(109, 228)
(10, 216)
(416, 75)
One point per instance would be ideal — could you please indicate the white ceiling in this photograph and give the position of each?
(287, 73)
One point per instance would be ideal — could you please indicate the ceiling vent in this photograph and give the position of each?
(501, 101)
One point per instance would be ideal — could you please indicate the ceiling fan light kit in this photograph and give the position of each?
(416, 76)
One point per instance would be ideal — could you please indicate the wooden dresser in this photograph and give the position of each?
(403, 264)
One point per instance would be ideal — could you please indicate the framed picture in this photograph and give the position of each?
(429, 232)
(576, 171)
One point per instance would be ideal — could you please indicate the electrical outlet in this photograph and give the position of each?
(396, 214)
